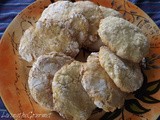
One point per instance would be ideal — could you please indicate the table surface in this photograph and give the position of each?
(10, 8)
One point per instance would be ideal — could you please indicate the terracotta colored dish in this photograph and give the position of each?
(143, 104)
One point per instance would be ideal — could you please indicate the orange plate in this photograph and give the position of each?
(145, 103)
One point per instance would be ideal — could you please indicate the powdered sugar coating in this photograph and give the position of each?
(41, 76)
(126, 75)
(57, 37)
(100, 87)
(45, 38)
(63, 8)
(29, 45)
(122, 37)
(93, 14)
(69, 97)
(64, 12)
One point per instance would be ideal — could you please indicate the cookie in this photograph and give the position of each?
(41, 76)
(100, 87)
(123, 38)
(63, 12)
(45, 38)
(125, 74)
(69, 97)
(29, 45)
(93, 14)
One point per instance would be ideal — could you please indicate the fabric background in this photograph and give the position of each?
(10, 8)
